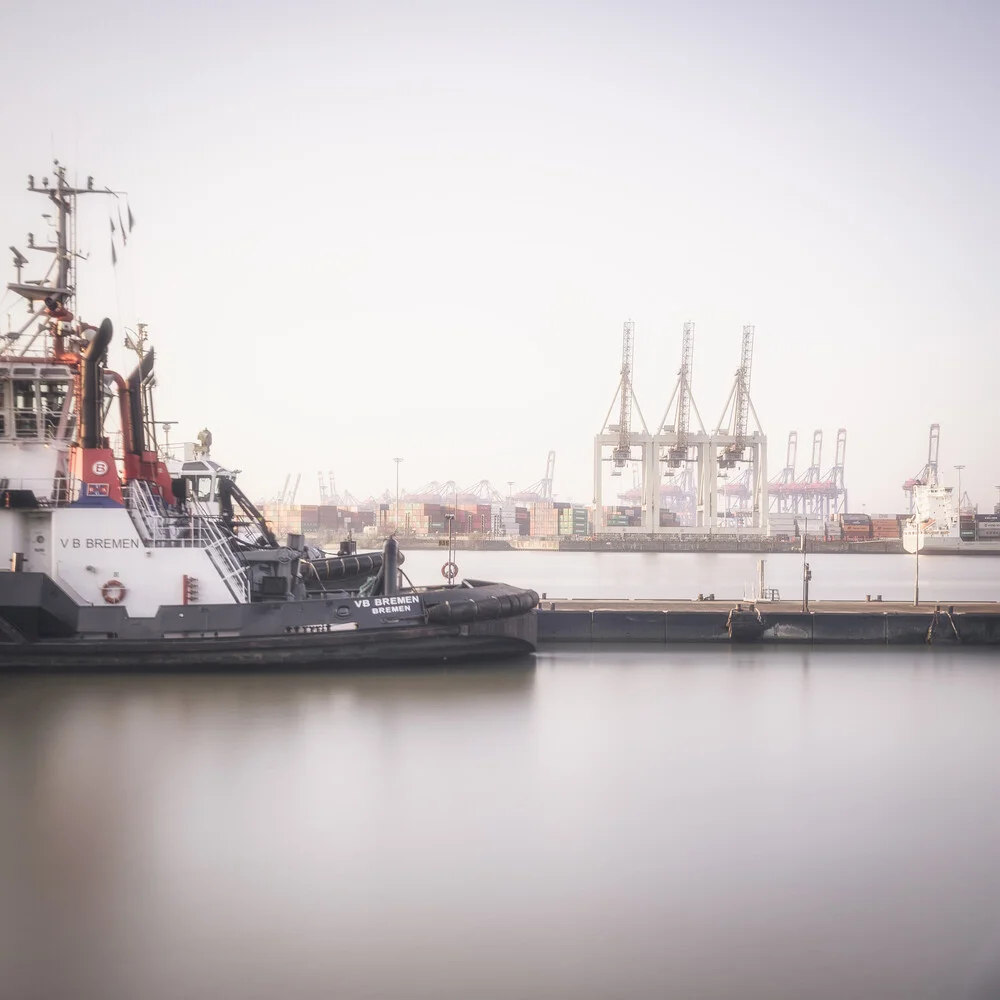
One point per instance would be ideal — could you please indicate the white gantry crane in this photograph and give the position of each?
(736, 442)
(678, 444)
(623, 441)
(928, 475)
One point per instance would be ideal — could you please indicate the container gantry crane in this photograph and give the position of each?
(737, 443)
(681, 401)
(738, 407)
(781, 489)
(621, 438)
(928, 475)
(542, 489)
(679, 446)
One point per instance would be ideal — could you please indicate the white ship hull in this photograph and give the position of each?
(935, 526)
(949, 545)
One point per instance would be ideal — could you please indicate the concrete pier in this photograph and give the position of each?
(778, 622)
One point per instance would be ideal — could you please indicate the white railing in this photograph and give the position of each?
(195, 530)
(50, 491)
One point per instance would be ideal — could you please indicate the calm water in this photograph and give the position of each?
(684, 575)
(621, 823)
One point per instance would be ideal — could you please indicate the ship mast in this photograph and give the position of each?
(56, 291)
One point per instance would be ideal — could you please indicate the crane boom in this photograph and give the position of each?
(837, 473)
(928, 475)
(550, 473)
(734, 422)
(684, 394)
(815, 466)
(788, 476)
(934, 441)
(623, 450)
(743, 389)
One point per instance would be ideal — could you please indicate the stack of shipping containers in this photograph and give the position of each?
(966, 525)
(885, 527)
(856, 527)
(522, 518)
(574, 519)
(623, 517)
(544, 522)
(318, 524)
(284, 519)
(789, 526)
(987, 527)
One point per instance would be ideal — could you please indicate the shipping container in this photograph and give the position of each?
(855, 519)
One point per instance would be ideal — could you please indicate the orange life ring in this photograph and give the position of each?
(113, 592)
(449, 570)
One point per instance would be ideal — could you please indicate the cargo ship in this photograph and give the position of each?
(938, 528)
(118, 561)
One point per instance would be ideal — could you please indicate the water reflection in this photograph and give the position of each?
(607, 823)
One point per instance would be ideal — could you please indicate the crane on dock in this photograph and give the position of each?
(928, 475)
(781, 488)
(542, 488)
(681, 401)
(621, 453)
(735, 418)
(834, 494)
(328, 490)
(284, 496)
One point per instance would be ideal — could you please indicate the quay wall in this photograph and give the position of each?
(973, 628)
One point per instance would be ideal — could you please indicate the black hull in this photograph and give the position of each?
(418, 645)
(42, 629)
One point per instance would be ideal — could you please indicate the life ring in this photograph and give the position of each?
(113, 592)
(449, 570)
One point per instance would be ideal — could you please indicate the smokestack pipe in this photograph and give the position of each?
(123, 404)
(135, 380)
(390, 567)
(90, 418)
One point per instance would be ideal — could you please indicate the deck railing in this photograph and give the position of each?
(196, 529)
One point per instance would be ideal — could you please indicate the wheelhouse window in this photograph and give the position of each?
(200, 487)
(53, 400)
(25, 408)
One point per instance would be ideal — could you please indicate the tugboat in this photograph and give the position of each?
(117, 564)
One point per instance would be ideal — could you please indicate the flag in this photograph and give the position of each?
(114, 256)
(121, 225)
(131, 217)
(112, 221)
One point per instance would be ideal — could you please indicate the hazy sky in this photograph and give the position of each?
(416, 229)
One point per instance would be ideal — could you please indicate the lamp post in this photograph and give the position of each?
(916, 563)
(397, 461)
(959, 468)
(450, 518)
(806, 571)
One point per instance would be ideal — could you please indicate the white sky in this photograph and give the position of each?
(416, 229)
